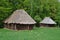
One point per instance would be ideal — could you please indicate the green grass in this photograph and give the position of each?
(35, 34)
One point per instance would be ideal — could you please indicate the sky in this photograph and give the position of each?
(59, 0)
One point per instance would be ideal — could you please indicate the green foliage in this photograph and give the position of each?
(4, 13)
(37, 9)
(37, 18)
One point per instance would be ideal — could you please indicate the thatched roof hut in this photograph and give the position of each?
(47, 21)
(19, 20)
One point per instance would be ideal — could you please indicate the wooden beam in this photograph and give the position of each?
(11, 26)
(28, 27)
(8, 25)
(15, 26)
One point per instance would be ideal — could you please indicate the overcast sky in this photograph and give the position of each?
(59, 0)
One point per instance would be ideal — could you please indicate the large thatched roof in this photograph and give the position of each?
(47, 20)
(20, 17)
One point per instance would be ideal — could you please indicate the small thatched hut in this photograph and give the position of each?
(19, 20)
(48, 22)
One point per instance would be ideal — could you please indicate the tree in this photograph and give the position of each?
(37, 9)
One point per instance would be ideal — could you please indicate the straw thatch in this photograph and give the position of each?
(47, 20)
(20, 17)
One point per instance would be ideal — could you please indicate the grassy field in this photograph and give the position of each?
(35, 34)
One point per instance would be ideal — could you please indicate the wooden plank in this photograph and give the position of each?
(15, 26)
